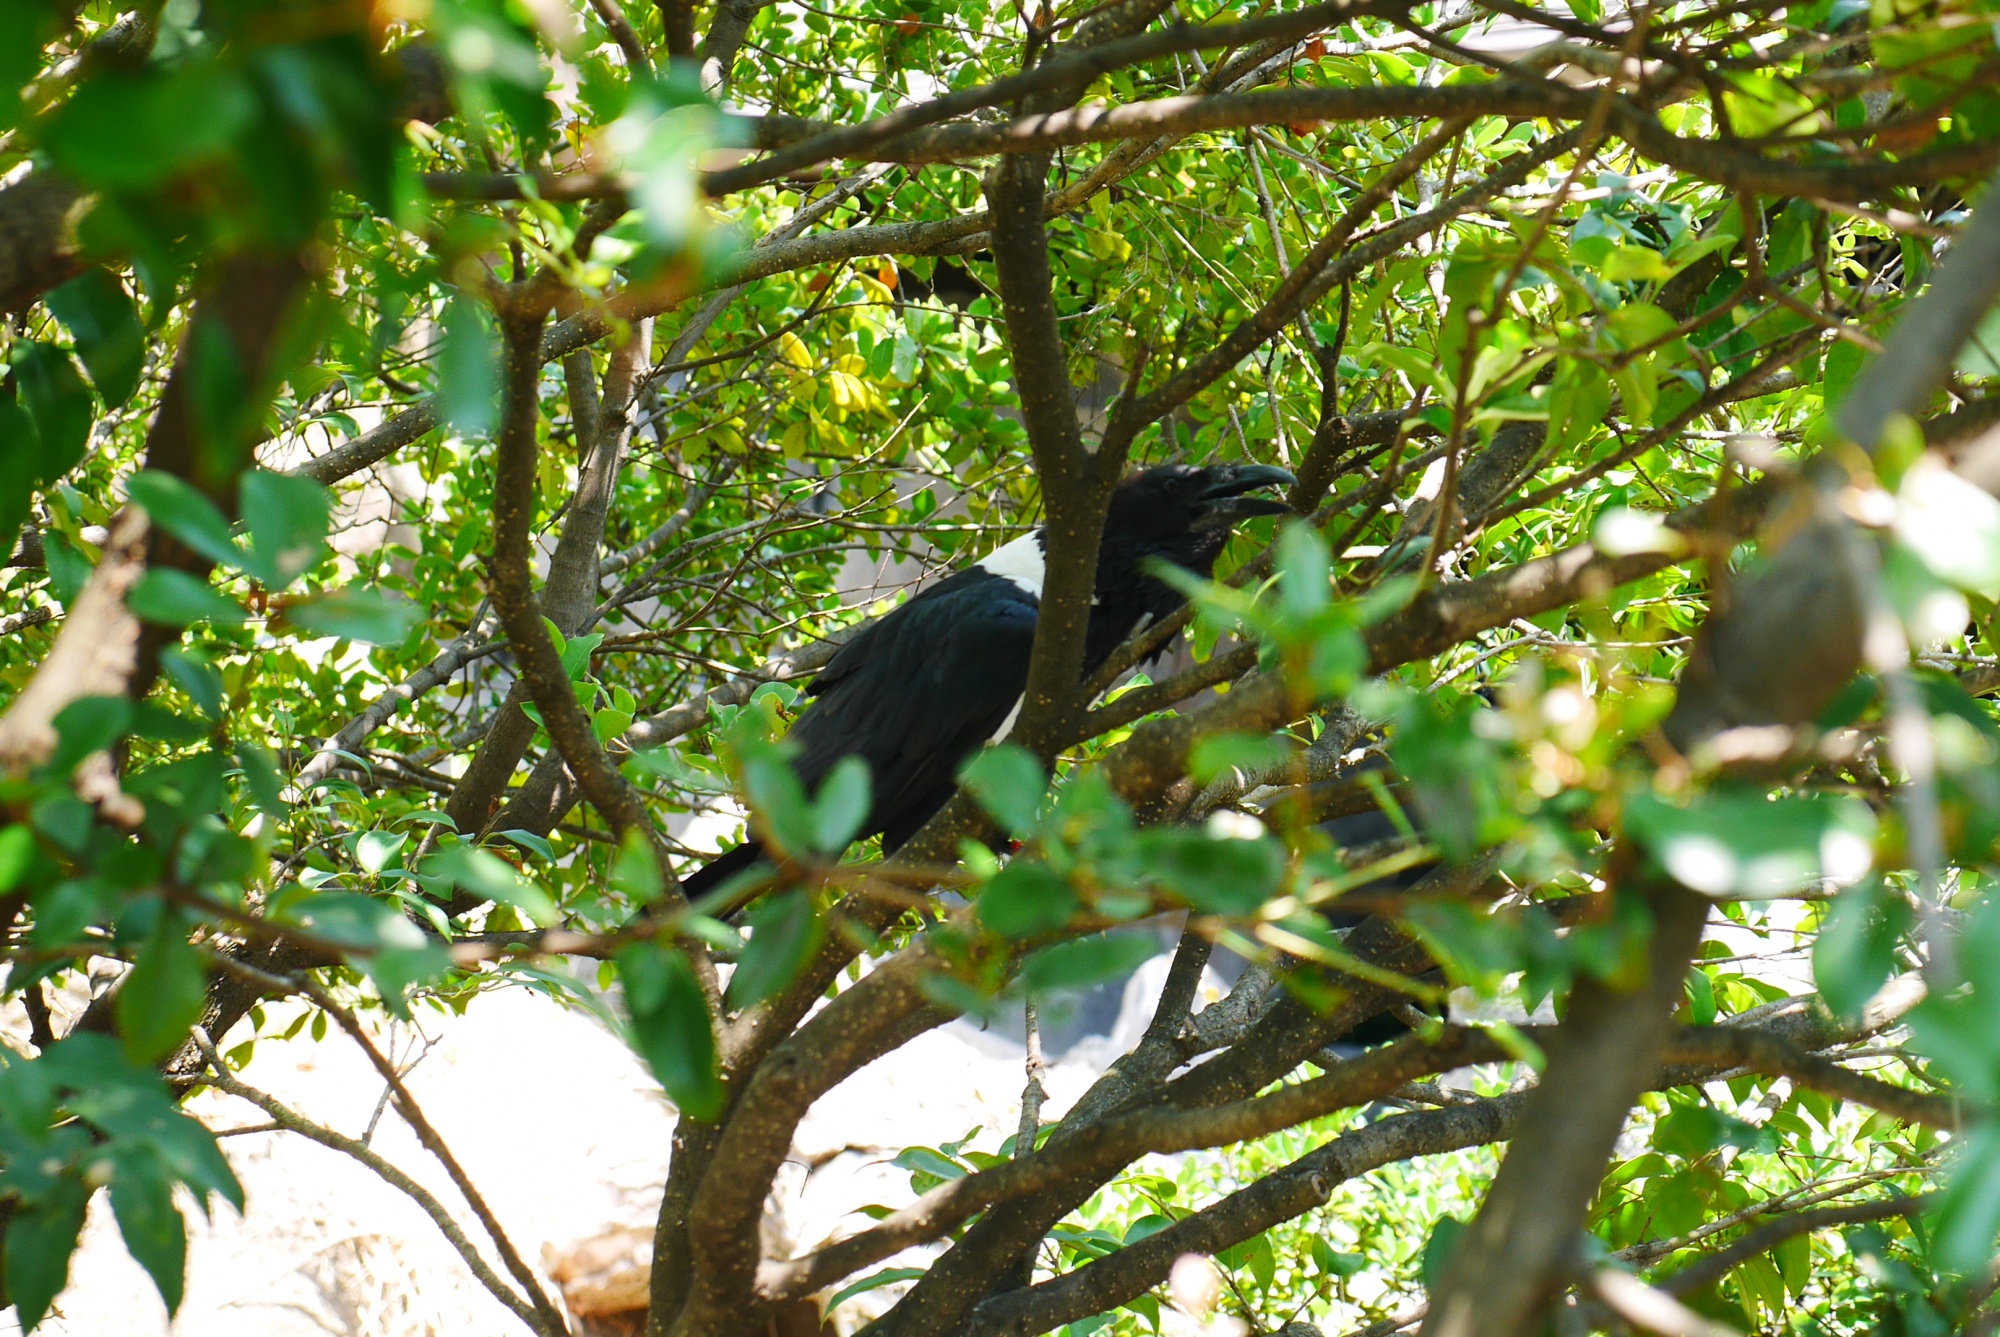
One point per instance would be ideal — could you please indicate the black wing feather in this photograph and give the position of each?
(918, 692)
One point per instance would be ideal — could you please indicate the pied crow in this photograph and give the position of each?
(924, 687)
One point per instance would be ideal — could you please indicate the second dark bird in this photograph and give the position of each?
(920, 690)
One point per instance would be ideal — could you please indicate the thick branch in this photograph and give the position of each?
(1744, 1047)
(38, 242)
(1075, 488)
(1518, 1250)
(513, 585)
(569, 595)
(885, 1010)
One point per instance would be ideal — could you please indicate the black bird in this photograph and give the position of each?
(920, 690)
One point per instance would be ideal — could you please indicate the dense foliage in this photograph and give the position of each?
(444, 434)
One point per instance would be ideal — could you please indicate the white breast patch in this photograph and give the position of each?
(1020, 562)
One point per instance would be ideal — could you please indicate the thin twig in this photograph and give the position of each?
(289, 1120)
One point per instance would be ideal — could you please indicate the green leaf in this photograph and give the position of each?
(576, 653)
(263, 779)
(163, 995)
(635, 871)
(469, 368)
(355, 615)
(20, 462)
(1026, 898)
(774, 791)
(374, 849)
(1855, 951)
(110, 339)
(1968, 1218)
(26, 26)
(69, 566)
(397, 970)
(17, 855)
(287, 518)
(888, 1276)
(1304, 573)
(1217, 876)
(41, 1236)
(348, 919)
(1088, 961)
(1009, 783)
(186, 514)
(530, 842)
(1639, 389)
(1701, 998)
(784, 933)
(488, 875)
(1256, 1255)
(1332, 1262)
(129, 131)
(57, 402)
(193, 674)
(841, 806)
(1248, 753)
(1439, 1247)
(89, 724)
(177, 599)
(928, 1161)
(608, 724)
(672, 1028)
(1737, 842)
(142, 1198)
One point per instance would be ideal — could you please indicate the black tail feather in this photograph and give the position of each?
(721, 868)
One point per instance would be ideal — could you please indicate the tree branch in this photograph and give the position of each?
(222, 1079)
(513, 591)
(1704, 1272)
(1101, 1149)
(1075, 488)
(1074, 67)
(1518, 1249)
(1292, 1191)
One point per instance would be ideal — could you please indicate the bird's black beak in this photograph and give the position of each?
(1227, 500)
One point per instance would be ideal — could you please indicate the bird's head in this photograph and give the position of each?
(1173, 513)
(1171, 501)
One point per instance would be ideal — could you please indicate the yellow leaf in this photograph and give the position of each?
(793, 350)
